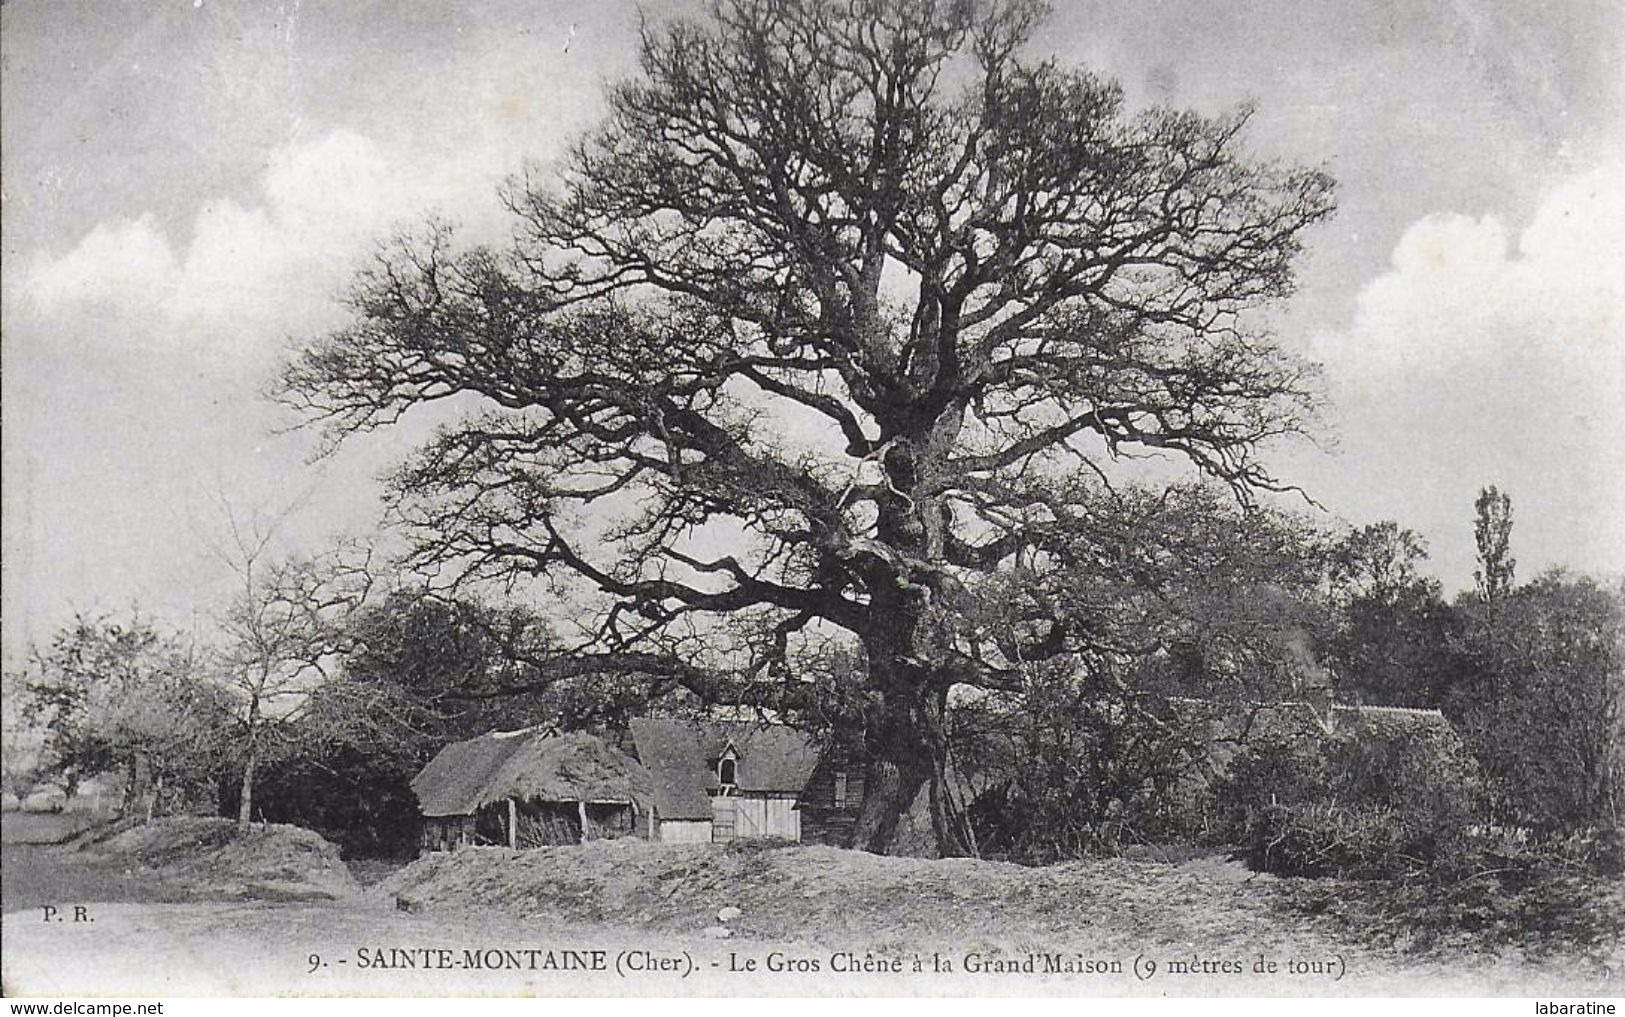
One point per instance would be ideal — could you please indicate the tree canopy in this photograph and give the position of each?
(123, 697)
(834, 317)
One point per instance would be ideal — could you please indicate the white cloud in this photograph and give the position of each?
(1489, 354)
(245, 276)
(1457, 294)
(135, 361)
(116, 265)
(302, 180)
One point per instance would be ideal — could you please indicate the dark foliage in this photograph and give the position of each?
(1543, 703)
(1393, 637)
(1492, 533)
(1360, 802)
(1083, 775)
(1192, 609)
(419, 673)
(359, 800)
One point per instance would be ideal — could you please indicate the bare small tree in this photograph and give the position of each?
(280, 635)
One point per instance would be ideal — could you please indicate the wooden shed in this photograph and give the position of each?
(723, 780)
(829, 802)
(531, 788)
(833, 795)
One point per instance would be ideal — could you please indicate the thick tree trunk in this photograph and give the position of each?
(907, 806)
(909, 644)
(892, 786)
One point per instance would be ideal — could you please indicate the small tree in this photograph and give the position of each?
(1393, 631)
(123, 697)
(1547, 717)
(416, 671)
(1076, 766)
(1194, 610)
(279, 638)
(1543, 693)
(1492, 532)
(21, 742)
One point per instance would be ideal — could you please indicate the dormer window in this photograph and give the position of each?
(727, 769)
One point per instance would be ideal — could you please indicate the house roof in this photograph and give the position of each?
(1392, 721)
(1227, 727)
(533, 763)
(680, 756)
(1242, 719)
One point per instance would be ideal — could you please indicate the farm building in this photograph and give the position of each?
(830, 801)
(723, 780)
(1227, 728)
(1404, 742)
(530, 788)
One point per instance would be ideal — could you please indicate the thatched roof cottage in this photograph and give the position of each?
(530, 788)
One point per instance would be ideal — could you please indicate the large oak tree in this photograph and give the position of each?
(822, 326)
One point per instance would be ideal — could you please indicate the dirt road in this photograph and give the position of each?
(980, 929)
(284, 949)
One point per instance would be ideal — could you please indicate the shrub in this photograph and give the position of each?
(1518, 854)
(362, 802)
(1547, 657)
(1076, 774)
(1320, 838)
(1361, 802)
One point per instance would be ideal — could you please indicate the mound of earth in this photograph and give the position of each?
(823, 894)
(852, 899)
(211, 857)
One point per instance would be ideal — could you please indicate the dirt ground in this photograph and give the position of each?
(638, 918)
(180, 860)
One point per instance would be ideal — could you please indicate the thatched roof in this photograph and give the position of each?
(681, 755)
(1391, 721)
(1290, 717)
(530, 764)
(1226, 727)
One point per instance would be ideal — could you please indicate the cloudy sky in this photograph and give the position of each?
(189, 183)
